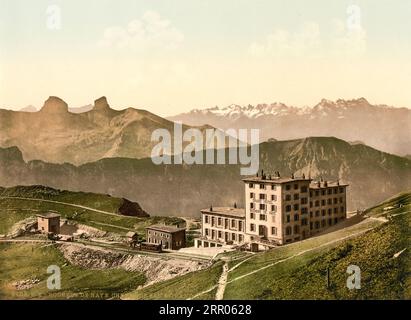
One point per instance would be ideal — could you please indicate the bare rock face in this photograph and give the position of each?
(101, 104)
(55, 105)
(133, 209)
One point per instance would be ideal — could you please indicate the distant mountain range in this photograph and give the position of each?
(380, 126)
(54, 134)
(185, 189)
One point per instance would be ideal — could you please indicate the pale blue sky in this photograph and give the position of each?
(204, 53)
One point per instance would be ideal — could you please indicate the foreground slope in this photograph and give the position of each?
(379, 244)
(24, 276)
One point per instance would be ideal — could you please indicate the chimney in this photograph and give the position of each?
(319, 184)
(303, 176)
(235, 205)
(325, 183)
(338, 182)
(292, 176)
(211, 208)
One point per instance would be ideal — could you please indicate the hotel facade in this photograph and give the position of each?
(278, 210)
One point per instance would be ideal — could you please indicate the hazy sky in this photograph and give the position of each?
(172, 56)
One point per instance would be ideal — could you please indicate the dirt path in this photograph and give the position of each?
(112, 225)
(64, 203)
(398, 214)
(222, 282)
(381, 219)
(240, 263)
(25, 241)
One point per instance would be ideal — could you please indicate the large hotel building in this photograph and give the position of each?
(278, 210)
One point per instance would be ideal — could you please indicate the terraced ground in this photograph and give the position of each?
(21, 262)
(96, 210)
(379, 245)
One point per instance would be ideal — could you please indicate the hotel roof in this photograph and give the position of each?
(227, 211)
(165, 228)
(48, 215)
(274, 179)
(326, 184)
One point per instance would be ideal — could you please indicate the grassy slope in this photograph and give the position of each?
(304, 277)
(14, 210)
(76, 283)
(182, 287)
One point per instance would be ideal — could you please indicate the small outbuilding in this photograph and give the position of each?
(169, 237)
(132, 238)
(48, 223)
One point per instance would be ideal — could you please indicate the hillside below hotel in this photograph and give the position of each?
(278, 210)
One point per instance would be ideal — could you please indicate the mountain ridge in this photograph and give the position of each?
(176, 190)
(56, 135)
(383, 127)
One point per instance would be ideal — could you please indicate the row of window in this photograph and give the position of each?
(263, 206)
(226, 236)
(296, 229)
(273, 229)
(263, 196)
(323, 223)
(156, 241)
(288, 197)
(296, 207)
(296, 196)
(329, 201)
(228, 223)
(303, 189)
(262, 186)
(288, 230)
(262, 217)
(304, 221)
(159, 234)
(329, 211)
(326, 191)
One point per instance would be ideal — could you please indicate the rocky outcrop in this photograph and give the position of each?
(155, 269)
(101, 104)
(133, 209)
(54, 105)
